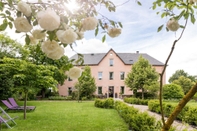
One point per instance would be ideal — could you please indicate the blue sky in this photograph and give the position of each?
(139, 33)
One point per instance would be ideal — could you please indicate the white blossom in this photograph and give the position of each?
(74, 73)
(38, 34)
(114, 32)
(21, 24)
(89, 23)
(68, 36)
(49, 46)
(56, 54)
(24, 8)
(33, 40)
(173, 25)
(80, 35)
(48, 19)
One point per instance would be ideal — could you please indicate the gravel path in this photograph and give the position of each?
(179, 125)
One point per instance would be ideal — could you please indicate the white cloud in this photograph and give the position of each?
(88, 46)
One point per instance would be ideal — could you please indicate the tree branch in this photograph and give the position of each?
(164, 69)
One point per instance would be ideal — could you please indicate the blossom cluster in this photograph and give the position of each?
(49, 20)
(172, 25)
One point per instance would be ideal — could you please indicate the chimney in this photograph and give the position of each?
(137, 52)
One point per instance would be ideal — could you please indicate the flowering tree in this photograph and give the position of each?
(55, 26)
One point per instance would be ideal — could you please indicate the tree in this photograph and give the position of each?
(27, 76)
(180, 73)
(37, 57)
(172, 91)
(185, 83)
(11, 48)
(141, 76)
(86, 84)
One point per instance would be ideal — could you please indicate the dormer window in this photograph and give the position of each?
(111, 62)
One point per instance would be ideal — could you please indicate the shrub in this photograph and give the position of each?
(106, 103)
(137, 121)
(136, 101)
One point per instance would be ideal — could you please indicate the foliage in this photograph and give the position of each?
(141, 76)
(188, 114)
(67, 16)
(138, 121)
(104, 103)
(39, 58)
(172, 91)
(27, 76)
(136, 101)
(180, 73)
(86, 84)
(185, 83)
(11, 48)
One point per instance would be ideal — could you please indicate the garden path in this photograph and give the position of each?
(178, 124)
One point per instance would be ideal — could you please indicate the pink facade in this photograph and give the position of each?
(112, 66)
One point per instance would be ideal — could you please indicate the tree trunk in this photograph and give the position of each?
(142, 93)
(43, 93)
(25, 104)
(179, 107)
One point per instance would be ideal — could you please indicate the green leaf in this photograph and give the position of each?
(7, 12)
(181, 26)
(35, 23)
(27, 39)
(51, 35)
(181, 14)
(10, 25)
(10, 2)
(120, 24)
(3, 26)
(1, 6)
(18, 14)
(159, 28)
(10, 18)
(96, 31)
(103, 38)
(112, 22)
(192, 18)
(139, 3)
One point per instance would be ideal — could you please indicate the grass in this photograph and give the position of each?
(68, 116)
(191, 103)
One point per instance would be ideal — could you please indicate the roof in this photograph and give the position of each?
(127, 58)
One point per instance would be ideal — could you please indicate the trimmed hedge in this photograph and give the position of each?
(104, 103)
(136, 101)
(188, 114)
(137, 121)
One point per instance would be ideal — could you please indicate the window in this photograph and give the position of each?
(122, 89)
(111, 62)
(69, 79)
(100, 75)
(111, 75)
(100, 90)
(122, 75)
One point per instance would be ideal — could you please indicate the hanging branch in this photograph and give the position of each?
(161, 76)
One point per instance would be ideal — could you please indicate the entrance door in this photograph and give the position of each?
(111, 91)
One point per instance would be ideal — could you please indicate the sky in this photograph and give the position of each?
(139, 33)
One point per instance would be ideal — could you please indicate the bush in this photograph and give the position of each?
(136, 101)
(188, 114)
(137, 121)
(106, 103)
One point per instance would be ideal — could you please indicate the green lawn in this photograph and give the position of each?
(175, 102)
(68, 116)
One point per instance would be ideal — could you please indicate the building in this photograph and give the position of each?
(109, 70)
